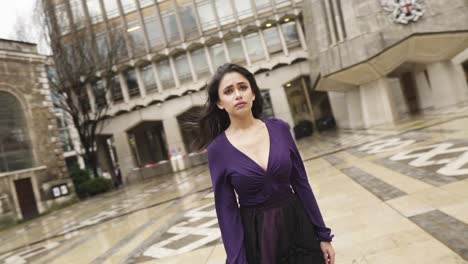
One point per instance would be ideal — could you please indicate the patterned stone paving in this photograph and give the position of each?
(411, 178)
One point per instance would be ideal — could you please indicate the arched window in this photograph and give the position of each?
(15, 147)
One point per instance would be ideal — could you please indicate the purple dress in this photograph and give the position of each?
(234, 172)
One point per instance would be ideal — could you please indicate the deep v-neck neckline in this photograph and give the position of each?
(265, 170)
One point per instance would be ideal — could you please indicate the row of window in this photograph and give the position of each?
(199, 59)
(186, 10)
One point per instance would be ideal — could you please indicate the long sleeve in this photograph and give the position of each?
(227, 210)
(301, 186)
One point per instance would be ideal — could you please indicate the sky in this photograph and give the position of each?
(9, 11)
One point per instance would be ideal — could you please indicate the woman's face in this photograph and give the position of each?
(235, 94)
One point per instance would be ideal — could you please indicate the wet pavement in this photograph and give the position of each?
(391, 194)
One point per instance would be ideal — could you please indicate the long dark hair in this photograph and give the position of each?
(212, 121)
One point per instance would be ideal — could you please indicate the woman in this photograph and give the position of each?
(279, 220)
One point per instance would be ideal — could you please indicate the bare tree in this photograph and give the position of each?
(78, 62)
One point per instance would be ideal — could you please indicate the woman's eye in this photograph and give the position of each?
(227, 91)
(243, 87)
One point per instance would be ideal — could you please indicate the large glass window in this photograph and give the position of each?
(217, 55)
(225, 12)
(153, 29)
(132, 82)
(145, 3)
(137, 35)
(236, 53)
(272, 39)
(200, 63)
(244, 9)
(170, 21)
(290, 34)
(112, 10)
(62, 16)
(206, 14)
(128, 6)
(183, 68)
(165, 74)
(262, 5)
(94, 10)
(147, 74)
(99, 91)
(116, 90)
(187, 17)
(78, 13)
(254, 47)
(101, 41)
(65, 138)
(118, 42)
(15, 148)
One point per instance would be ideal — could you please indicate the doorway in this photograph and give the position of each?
(26, 199)
(410, 93)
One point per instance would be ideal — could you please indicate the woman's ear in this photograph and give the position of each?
(219, 106)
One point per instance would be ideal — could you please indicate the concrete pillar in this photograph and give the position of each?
(208, 59)
(244, 49)
(279, 102)
(124, 87)
(347, 109)
(124, 153)
(283, 41)
(156, 75)
(265, 48)
(300, 32)
(173, 135)
(378, 106)
(192, 69)
(448, 85)
(141, 84)
(174, 72)
(92, 99)
(424, 89)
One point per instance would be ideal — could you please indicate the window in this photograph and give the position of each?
(101, 41)
(128, 6)
(281, 3)
(137, 36)
(217, 55)
(262, 5)
(189, 23)
(65, 138)
(225, 12)
(165, 74)
(272, 39)
(145, 3)
(116, 90)
(154, 30)
(290, 34)
(206, 14)
(254, 47)
(170, 21)
(148, 78)
(99, 91)
(182, 68)
(111, 7)
(15, 148)
(236, 53)
(62, 16)
(132, 83)
(200, 63)
(78, 13)
(244, 9)
(94, 10)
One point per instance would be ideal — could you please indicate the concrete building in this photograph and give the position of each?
(381, 61)
(33, 175)
(172, 49)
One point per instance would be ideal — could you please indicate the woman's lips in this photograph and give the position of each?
(240, 104)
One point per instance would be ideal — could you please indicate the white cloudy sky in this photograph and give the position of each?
(10, 10)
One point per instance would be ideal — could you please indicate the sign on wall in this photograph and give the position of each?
(404, 11)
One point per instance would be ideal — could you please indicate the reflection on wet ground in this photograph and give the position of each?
(391, 194)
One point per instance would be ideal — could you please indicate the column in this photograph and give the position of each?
(244, 49)
(173, 135)
(300, 32)
(208, 59)
(179, 24)
(141, 84)
(283, 41)
(265, 48)
(378, 104)
(92, 100)
(174, 72)
(124, 87)
(124, 154)
(226, 51)
(448, 85)
(143, 27)
(156, 75)
(346, 107)
(197, 18)
(192, 69)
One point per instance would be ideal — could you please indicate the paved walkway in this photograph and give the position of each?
(391, 194)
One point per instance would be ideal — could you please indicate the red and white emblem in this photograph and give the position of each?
(404, 11)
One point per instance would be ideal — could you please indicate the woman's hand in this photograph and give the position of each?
(328, 252)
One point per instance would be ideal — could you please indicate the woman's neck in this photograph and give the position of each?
(242, 123)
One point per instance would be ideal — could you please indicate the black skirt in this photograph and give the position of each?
(279, 232)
